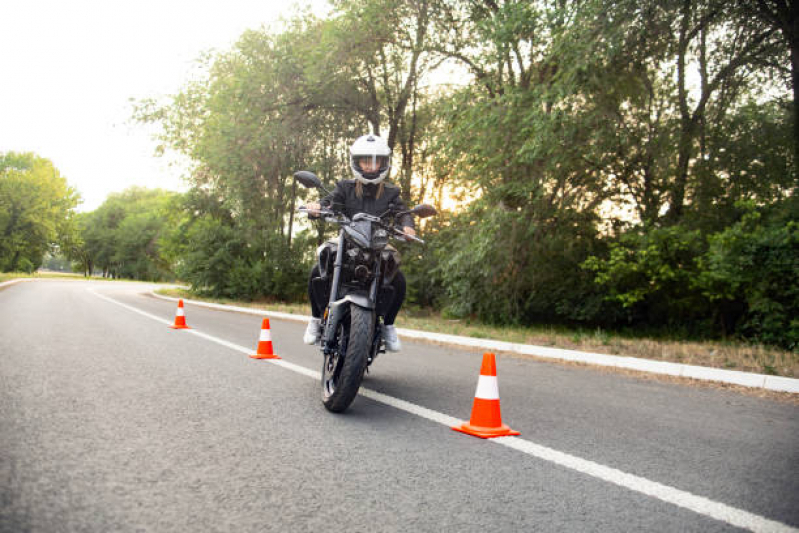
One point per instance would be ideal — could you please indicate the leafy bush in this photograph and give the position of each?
(652, 273)
(752, 267)
(742, 281)
(217, 260)
(210, 250)
(504, 267)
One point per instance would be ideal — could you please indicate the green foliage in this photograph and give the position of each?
(752, 270)
(652, 274)
(211, 250)
(529, 275)
(124, 237)
(743, 281)
(56, 262)
(218, 261)
(749, 159)
(36, 210)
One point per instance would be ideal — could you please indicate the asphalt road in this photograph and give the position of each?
(110, 421)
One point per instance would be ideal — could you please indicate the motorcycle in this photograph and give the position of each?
(355, 278)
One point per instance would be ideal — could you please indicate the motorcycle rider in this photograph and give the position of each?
(370, 162)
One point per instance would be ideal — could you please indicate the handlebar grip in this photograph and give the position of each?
(316, 213)
(398, 233)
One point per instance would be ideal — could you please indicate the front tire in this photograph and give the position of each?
(342, 372)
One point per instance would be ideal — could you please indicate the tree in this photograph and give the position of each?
(363, 66)
(751, 273)
(782, 15)
(275, 104)
(723, 65)
(665, 78)
(36, 209)
(516, 138)
(124, 237)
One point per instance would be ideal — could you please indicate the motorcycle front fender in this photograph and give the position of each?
(361, 300)
(339, 308)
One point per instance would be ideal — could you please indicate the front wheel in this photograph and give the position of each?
(343, 369)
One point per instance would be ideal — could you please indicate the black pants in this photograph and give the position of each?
(398, 283)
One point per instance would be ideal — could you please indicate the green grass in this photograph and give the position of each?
(727, 354)
(7, 276)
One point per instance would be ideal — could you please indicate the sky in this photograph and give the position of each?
(69, 69)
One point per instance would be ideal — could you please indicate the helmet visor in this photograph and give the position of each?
(371, 164)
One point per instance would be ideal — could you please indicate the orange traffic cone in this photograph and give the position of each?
(265, 343)
(180, 318)
(486, 421)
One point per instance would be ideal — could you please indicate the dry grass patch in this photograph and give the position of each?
(726, 355)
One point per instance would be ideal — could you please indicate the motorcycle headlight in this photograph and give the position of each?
(380, 238)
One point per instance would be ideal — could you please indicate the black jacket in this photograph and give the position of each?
(344, 197)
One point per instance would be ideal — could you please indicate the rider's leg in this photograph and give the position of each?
(390, 333)
(398, 283)
(316, 307)
(314, 330)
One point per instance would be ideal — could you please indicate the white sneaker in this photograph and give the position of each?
(393, 343)
(313, 332)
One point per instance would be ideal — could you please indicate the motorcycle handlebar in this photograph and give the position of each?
(327, 213)
(317, 212)
(404, 236)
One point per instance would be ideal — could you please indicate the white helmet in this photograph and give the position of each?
(370, 159)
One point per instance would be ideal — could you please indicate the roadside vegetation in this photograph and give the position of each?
(598, 166)
(8, 276)
(39, 274)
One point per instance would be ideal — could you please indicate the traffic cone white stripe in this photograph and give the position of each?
(180, 312)
(487, 388)
(266, 335)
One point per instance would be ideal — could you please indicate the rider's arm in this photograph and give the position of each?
(337, 197)
(406, 221)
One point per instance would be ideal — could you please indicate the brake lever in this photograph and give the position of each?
(406, 237)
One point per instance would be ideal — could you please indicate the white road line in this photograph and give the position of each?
(698, 504)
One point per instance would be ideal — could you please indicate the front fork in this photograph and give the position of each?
(377, 343)
(330, 323)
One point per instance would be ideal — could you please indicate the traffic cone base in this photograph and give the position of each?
(264, 350)
(265, 356)
(180, 318)
(486, 420)
(486, 433)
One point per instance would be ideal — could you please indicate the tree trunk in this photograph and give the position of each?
(291, 210)
(686, 130)
(794, 44)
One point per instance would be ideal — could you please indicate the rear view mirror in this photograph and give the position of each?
(424, 210)
(308, 179)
